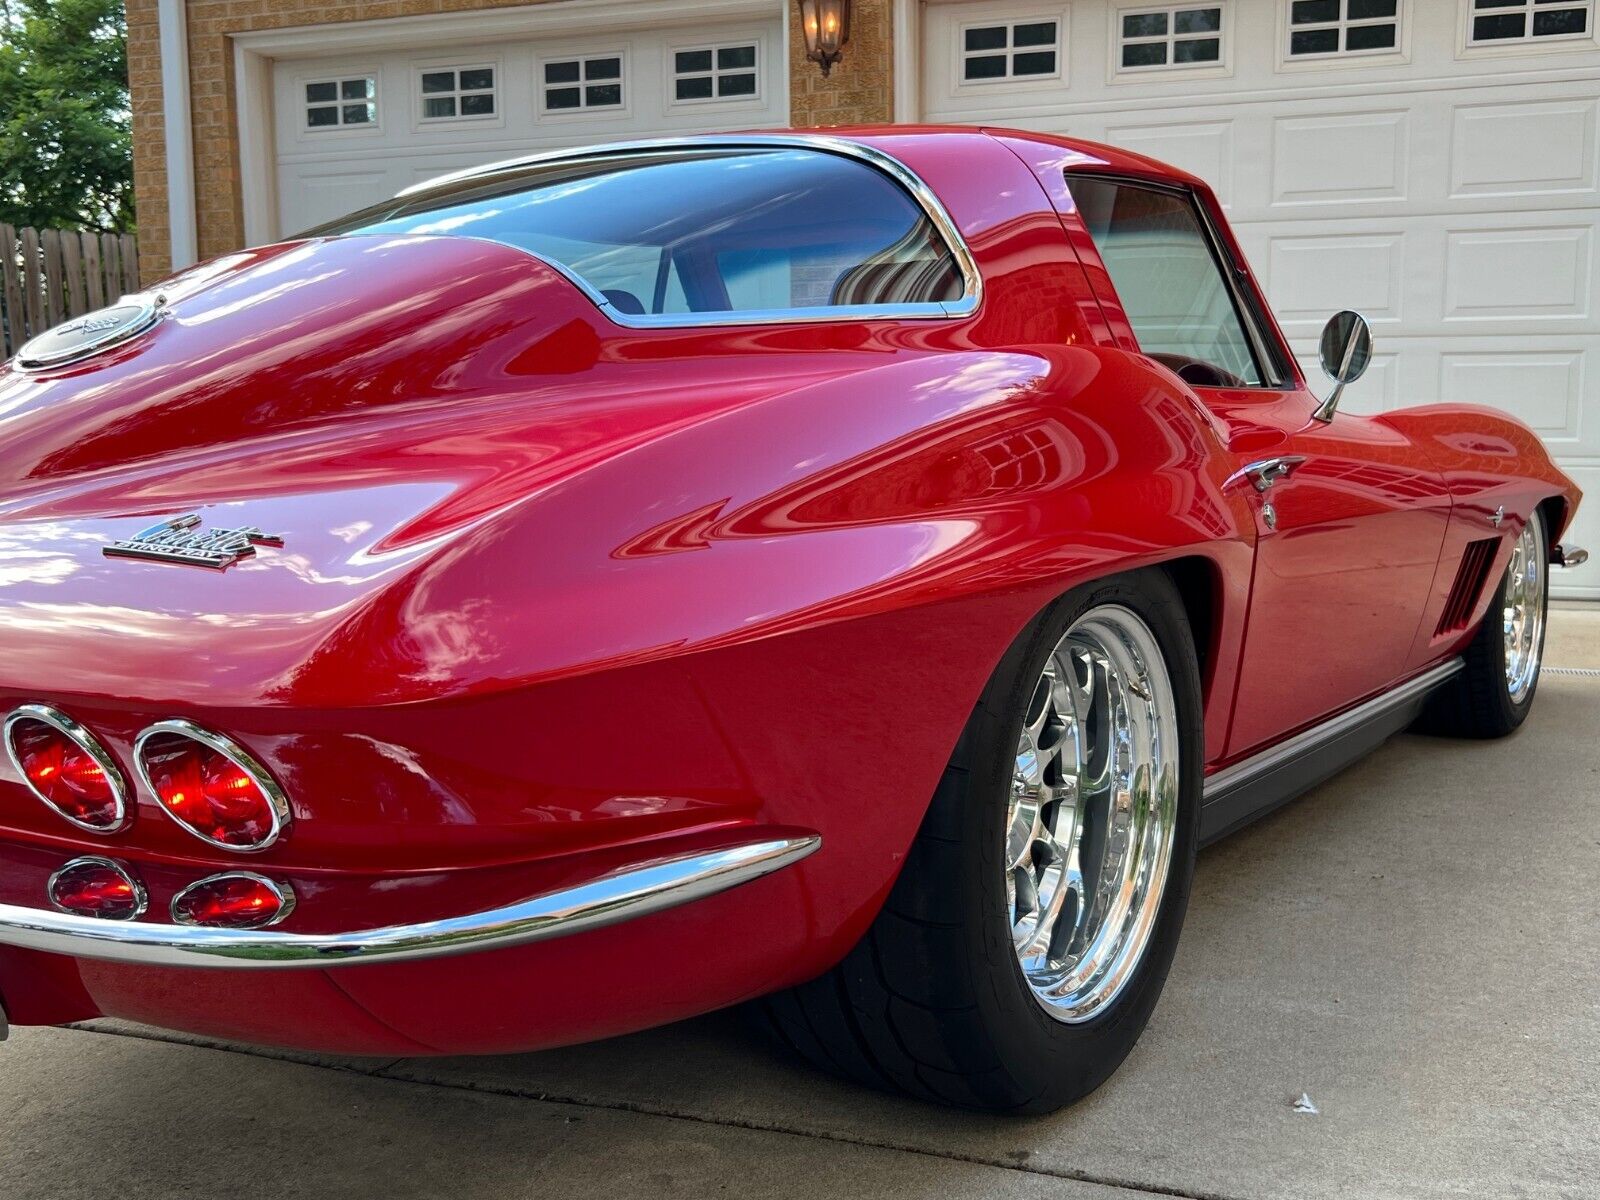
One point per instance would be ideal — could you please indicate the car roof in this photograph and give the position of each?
(893, 140)
(1082, 153)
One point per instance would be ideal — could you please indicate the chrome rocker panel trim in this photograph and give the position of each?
(622, 895)
(1237, 795)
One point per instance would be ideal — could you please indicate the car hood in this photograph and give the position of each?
(379, 404)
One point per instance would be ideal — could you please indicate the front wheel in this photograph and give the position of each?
(1025, 943)
(1494, 692)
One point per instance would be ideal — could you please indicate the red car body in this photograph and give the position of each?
(559, 596)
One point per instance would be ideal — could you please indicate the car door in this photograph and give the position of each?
(1350, 517)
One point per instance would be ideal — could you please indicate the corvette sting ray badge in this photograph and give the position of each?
(181, 540)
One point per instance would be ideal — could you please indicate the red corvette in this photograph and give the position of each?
(849, 572)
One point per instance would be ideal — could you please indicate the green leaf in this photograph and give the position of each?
(66, 144)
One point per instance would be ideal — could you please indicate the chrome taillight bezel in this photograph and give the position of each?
(85, 741)
(141, 898)
(284, 893)
(277, 801)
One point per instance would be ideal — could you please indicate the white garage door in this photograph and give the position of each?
(1431, 163)
(354, 129)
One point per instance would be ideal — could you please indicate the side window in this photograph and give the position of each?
(1160, 260)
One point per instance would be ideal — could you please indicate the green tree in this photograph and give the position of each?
(66, 145)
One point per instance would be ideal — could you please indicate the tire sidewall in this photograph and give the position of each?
(1516, 711)
(1049, 1058)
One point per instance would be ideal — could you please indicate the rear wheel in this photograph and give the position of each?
(1026, 941)
(1494, 693)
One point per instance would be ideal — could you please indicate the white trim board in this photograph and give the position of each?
(183, 233)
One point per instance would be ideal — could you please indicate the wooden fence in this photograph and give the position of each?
(49, 275)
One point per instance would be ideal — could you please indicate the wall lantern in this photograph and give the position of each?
(826, 24)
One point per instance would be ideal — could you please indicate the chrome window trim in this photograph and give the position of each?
(621, 895)
(921, 193)
(277, 801)
(86, 742)
(141, 898)
(285, 894)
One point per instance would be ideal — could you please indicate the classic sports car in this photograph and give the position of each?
(852, 573)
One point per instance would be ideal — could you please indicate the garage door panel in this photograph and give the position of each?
(1519, 274)
(1340, 158)
(1203, 148)
(1310, 278)
(1545, 389)
(324, 194)
(1523, 148)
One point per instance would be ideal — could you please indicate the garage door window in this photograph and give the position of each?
(1019, 50)
(336, 103)
(1172, 290)
(453, 93)
(711, 73)
(576, 84)
(1325, 28)
(1156, 38)
(1498, 21)
(769, 234)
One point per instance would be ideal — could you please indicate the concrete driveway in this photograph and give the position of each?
(1416, 946)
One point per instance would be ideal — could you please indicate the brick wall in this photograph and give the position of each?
(860, 90)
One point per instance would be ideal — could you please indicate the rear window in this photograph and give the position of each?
(663, 235)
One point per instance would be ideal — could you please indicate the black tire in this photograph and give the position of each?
(932, 1001)
(1478, 702)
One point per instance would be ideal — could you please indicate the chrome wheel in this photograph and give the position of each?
(1523, 615)
(1093, 810)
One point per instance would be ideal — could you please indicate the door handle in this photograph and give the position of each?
(1265, 472)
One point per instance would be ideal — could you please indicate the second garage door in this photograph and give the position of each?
(1428, 165)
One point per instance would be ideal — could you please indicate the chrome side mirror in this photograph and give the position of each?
(1346, 352)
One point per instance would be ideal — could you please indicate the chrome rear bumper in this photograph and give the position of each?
(630, 892)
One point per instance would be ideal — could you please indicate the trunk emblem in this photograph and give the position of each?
(181, 540)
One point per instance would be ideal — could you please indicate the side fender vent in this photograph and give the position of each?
(1468, 587)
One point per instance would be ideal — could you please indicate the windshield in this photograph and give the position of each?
(698, 231)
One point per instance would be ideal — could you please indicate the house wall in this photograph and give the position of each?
(860, 90)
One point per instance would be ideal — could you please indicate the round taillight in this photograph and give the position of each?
(211, 786)
(97, 887)
(63, 765)
(237, 900)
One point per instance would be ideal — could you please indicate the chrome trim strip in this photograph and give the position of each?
(284, 893)
(141, 898)
(86, 742)
(927, 200)
(240, 757)
(619, 896)
(1230, 778)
